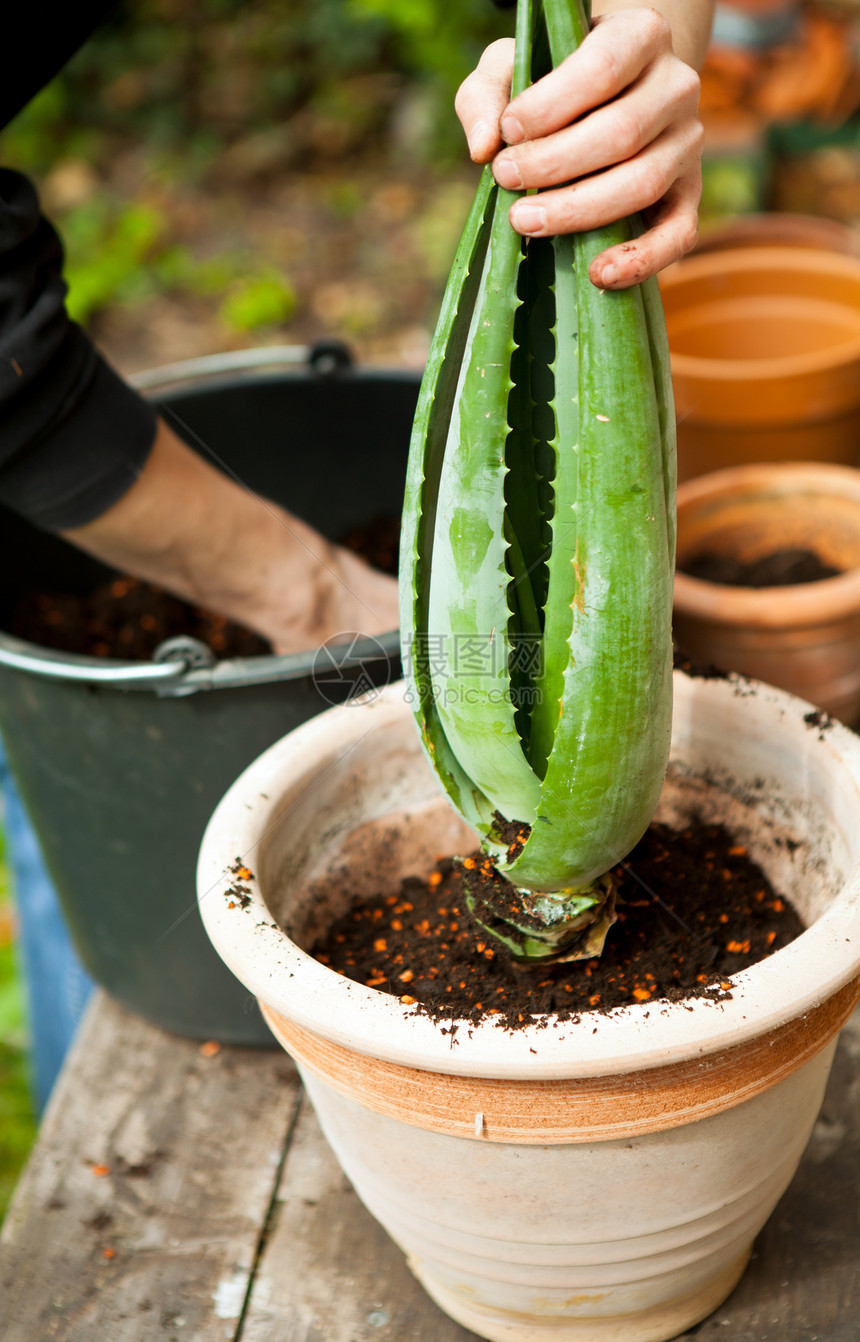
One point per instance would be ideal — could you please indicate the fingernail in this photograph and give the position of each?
(478, 136)
(610, 276)
(528, 218)
(512, 131)
(507, 174)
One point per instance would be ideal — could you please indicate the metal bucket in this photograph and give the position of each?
(121, 763)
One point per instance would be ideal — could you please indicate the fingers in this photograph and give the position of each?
(671, 235)
(624, 188)
(614, 130)
(611, 58)
(666, 95)
(483, 97)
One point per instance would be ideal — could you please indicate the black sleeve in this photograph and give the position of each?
(73, 436)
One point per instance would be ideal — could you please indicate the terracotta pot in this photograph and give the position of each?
(596, 1181)
(804, 638)
(765, 346)
(778, 229)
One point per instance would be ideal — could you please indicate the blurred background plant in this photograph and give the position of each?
(17, 1124)
(224, 172)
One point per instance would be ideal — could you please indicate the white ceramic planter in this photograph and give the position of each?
(592, 1182)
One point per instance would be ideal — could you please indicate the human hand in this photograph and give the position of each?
(613, 130)
(338, 594)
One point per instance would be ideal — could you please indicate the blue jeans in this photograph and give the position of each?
(56, 985)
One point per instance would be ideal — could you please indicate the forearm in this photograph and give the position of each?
(187, 527)
(690, 21)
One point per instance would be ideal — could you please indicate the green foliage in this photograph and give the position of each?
(261, 300)
(17, 1123)
(434, 39)
(731, 185)
(184, 84)
(108, 251)
(12, 1023)
(169, 71)
(121, 254)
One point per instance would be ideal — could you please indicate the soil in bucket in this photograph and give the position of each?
(781, 568)
(127, 618)
(692, 909)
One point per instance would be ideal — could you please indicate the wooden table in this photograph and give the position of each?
(181, 1193)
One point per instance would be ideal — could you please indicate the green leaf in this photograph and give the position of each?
(609, 754)
(424, 469)
(468, 611)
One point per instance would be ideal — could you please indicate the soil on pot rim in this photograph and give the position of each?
(780, 568)
(682, 661)
(693, 909)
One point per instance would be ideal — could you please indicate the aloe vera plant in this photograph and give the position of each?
(538, 553)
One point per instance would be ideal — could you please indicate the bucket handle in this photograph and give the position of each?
(182, 674)
(327, 358)
(50, 665)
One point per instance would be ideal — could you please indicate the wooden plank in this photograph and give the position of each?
(803, 1282)
(328, 1272)
(139, 1215)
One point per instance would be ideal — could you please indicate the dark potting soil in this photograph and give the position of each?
(128, 618)
(692, 910)
(125, 618)
(378, 542)
(781, 568)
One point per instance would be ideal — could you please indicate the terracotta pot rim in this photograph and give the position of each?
(759, 260)
(693, 368)
(777, 228)
(764, 260)
(629, 1039)
(804, 604)
(758, 474)
(807, 604)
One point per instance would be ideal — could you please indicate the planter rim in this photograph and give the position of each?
(801, 605)
(817, 964)
(777, 228)
(764, 260)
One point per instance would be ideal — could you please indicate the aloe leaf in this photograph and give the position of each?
(610, 748)
(469, 611)
(658, 340)
(561, 563)
(427, 446)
